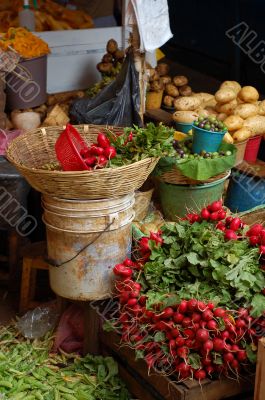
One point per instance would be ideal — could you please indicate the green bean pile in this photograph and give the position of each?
(28, 371)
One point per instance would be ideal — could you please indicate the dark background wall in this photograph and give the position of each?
(200, 41)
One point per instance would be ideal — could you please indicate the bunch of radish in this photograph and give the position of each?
(169, 339)
(256, 236)
(215, 212)
(98, 154)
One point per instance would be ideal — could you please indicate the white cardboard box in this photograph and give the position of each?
(74, 56)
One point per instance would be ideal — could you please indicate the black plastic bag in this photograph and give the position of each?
(117, 104)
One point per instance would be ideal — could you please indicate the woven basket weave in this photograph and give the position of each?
(31, 151)
(175, 177)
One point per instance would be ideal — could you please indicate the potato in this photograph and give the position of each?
(228, 138)
(222, 116)
(119, 54)
(210, 110)
(210, 103)
(242, 134)
(166, 79)
(205, 97)
(185, 116)
(225, 95)
(187, 103)
(105, 68)
(261, 107)
(112, 46)
(248, 94)
(246, 110)
(180, 80)
(185, 90)
(234, 122)
(162, 69)
(231, 85)
(172, 90)
(226, 108)
(168, 101)
(256, 124)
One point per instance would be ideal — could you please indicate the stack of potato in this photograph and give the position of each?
(240, 109)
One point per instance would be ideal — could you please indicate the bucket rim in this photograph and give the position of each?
(202, 185)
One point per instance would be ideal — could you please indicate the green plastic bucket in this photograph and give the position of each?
(177, 199)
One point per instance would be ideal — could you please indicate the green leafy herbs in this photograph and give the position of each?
(136, 143)
(196, 261)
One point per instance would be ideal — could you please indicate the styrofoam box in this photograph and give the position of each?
(74, 56)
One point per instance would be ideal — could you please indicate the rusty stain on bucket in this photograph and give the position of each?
(89, 276)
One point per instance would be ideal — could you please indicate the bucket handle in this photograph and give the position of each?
(54, 263)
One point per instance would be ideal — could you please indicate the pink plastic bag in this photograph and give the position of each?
(69, 335)
(6, 138)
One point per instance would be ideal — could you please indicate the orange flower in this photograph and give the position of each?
(24, 42)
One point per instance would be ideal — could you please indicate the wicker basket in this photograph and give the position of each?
(31, 151)
(175, 177)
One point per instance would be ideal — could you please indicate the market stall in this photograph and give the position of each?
(152, 220)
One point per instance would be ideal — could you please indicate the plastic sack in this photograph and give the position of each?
(6, 137)
(117, 104)
(69, 335)
(36, 323)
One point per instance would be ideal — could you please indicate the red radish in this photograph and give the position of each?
(216, 206)
(221, 215)
(180, 341)
(90, 161)
(219, 312)
(178, 317)
(172, 344)
(212, 325)
(161, 326)
(132, 302)
(208, 345)
(235, 348)
(183, 367)
(235, 364)
(228, 357)
(102, 161)
(218, 344)
(156, 237)
(144, 244)
(254, 240)
(128, 263)
(207, 315)
(189, 343)
(230, 235)
(228, 220)
(241, 355)
(200, 374)
(183, 352)
(211, 305)
(102, 140)
(175, 332)
(196, 326)
(202, 335)
(201, 306)
(254, 230)
(235, 224)
(134, 293)
(189, 333)
(240, 323)
(262, 249)
(205, 214)
(121, 270)
(209, 369)
(203, 324)
(137, 309)
(221, 226)
(167, 312)
(192, 304)
(183, 306)
(97, 151)
(110, 152)
(214, 216)
(186, 322)
(206, 360)
(225, 334)
(142, 300)
(196, 317)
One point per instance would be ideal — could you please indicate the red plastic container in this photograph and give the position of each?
(252, 149)
(68, 147)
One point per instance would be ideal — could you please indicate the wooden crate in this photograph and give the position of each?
(159, 387)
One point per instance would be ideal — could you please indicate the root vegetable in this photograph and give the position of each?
(171, 90)
(107, 58)
(168, 101)
(226, 108)
(242, 134)
(231, 85)
(112, 46)
(234, 122)
(25, 120)
(119, 54)
(225, 95)
(165, 79)
(185, 90)
(180, 80)
(248, 94)
(162, 69)
(105, 68)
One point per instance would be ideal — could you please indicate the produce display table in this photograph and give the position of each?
(152, 386)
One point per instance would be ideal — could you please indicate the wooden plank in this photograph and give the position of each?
(91, 328)
(260, 372)
(167, 388)
(159, 116)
